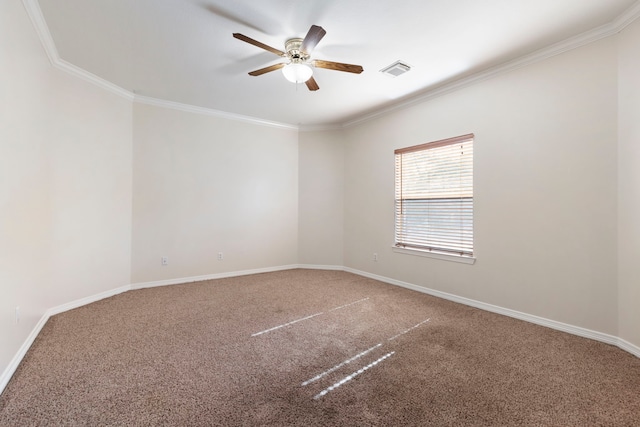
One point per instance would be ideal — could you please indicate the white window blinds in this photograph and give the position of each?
(434, 196)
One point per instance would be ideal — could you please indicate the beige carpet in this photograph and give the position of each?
(312, 348)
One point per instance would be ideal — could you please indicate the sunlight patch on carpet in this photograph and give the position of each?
(285, 324)
(359, 355)
(340, 365)
(352, 376)
(347, 305)
(408, 330)
(308, 317)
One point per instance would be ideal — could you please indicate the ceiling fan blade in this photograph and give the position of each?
(311, 84)
(338, 66)
(313, 37)
(258, 44)
(266, 69)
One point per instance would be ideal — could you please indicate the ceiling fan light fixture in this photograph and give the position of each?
(298, 53)
(297, 72)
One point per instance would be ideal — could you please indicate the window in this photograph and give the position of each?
(434, 197)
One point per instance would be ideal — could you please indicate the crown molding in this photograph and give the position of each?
(210, 112)
(617, 25)
(630, 15)
(321, 128)
(591, 36)
(75, 71)
(37, 19)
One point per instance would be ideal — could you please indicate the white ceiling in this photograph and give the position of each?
(183, 50)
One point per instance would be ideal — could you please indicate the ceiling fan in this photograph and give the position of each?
(298, 53)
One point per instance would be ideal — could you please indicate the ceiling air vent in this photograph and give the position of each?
(396, 69)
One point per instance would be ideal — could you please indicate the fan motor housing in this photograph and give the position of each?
(292, 46)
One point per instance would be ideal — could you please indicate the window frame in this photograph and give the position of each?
(404, 245)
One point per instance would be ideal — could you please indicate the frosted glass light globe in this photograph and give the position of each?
(297, 73)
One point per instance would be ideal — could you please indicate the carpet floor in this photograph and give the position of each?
(312, 348)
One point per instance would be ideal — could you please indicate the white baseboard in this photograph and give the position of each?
(13, 365)
(211, 277)
(627, 346)
(15, 362)
(88, 300)
(321, 267)
(575, 330)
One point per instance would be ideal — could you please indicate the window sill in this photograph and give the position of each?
(436, 255)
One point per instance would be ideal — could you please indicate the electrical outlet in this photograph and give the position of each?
(375, 257)
(220, 256)
(164, 260)
(17, 318)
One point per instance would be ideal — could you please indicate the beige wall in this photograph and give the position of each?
(545, 189)
(203, 185)
(65, 184)
(629, 184)
(321, 179)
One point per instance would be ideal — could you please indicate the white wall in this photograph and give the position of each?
(321, 179)
(204, 185)
(65, 184)
(545, 189)
(629, 184)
